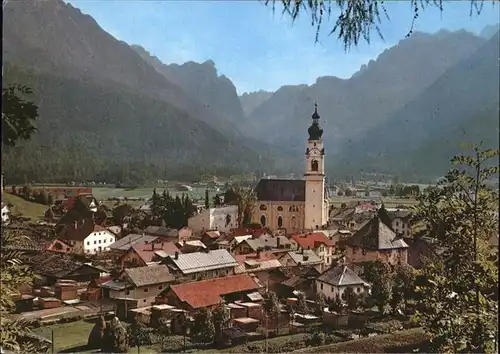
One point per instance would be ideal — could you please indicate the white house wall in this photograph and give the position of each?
(98, 241)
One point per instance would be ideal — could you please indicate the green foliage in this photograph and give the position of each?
(302, 306)
(273, 308)
(456, 304)
(316, 338)
(352, 299)
(320, 304)
(18, 114)
(15, 335)
(207, 200)
(403, 285)
(204, 329)
(123, 212)
(221, 319)
(336, 304)
(355, 19)
(245, 199)
(378, 274)
(115, 338)
(96, 335)
(174, 212)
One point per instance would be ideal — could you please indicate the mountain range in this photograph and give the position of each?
(112, 111)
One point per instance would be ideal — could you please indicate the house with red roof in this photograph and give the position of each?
(87, 237)
(317, 242)
(141, 255)
(208, 293)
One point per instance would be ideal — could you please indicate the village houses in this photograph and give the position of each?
(141, 284)
(201, 265)
(318, 242)
(376, 240)
(146, 254)
(87, 237)
(335, 282)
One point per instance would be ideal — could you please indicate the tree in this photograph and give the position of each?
(221, 319)
(352, 299)
(204, 329)
(156, 205)
(302, 304)
(96, 335)
(18, 114)
(217, 201)
(245, 199)
(122, 212)
(273, 308)
(115, 338)
(15, 334)
(207, 200)
(403, 284)
(336, 304)
(320, 304)
(378, 274)
(456, 303)
(356, 19)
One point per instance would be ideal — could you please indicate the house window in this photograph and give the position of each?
(99, 241)
(280, 221)
(358, 289)
(127, 292)
(95, 242)
(146, 290)
(332, 289)
(88, 243)
(144, 300)
(321, 286)
(160, 287)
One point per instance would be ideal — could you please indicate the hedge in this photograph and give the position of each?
(394, 342)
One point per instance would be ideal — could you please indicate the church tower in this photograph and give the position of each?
(315, 204)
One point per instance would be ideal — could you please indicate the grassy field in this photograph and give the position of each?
(398, 342)
(106, 193)
(28, 209)
(67, 335)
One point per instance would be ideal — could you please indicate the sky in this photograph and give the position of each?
(258, 49)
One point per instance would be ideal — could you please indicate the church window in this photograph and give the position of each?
(280, 221)
(280, 208)
(263, 207)
(263, 220)
(314, 144)
(314, 165)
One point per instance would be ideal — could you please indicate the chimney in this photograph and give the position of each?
(184, 242)
(278, 242)
(176, 255)
(152, 246)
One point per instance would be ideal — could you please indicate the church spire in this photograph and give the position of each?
(315, 132)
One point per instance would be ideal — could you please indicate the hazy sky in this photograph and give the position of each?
(255, 48)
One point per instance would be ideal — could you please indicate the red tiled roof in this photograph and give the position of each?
(82, 230)
(264, 256)
(147, 251)
(208, 292)
(310, 241)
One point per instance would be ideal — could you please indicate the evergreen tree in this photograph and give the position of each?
(115, 338)
(204, 330)
(302, 304)
(273, 308)
(336, 304)
(156, 205)
(217, 201)
(352, 299)
(221, 319)
(207, 200)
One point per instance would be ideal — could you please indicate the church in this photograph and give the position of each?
(296, 205)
